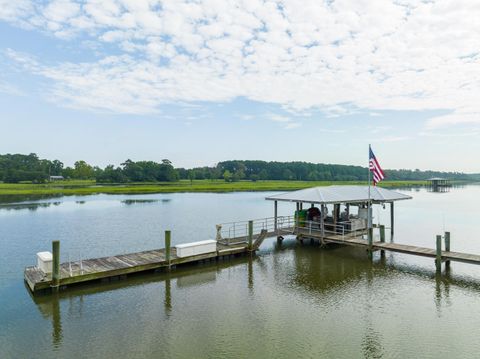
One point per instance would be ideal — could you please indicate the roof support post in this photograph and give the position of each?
(392, 219)
(275, 216)
(322, 220)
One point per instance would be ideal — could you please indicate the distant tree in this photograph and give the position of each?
(83, 170)
(263, 175)
(313, 176)
(227, 176)
(68, 172)
(56, 168)
(191, 176)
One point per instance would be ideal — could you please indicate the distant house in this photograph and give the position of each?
(56, 178)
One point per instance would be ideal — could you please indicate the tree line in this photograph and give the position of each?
(16, 168)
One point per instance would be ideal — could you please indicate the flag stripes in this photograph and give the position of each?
(375, 168)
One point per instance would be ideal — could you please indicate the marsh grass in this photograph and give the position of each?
(91, 187)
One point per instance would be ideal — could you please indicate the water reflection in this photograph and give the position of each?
(33, 206)
(139, 201)
(320, 269)
(49, 305)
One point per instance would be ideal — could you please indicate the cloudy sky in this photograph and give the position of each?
(203, 81)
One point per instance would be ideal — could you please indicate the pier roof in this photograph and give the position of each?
(340, 194)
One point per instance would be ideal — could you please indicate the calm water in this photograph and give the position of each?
(289, 301)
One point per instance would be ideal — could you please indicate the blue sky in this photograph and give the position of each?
(204, 81)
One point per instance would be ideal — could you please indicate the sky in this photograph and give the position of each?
(199, 82)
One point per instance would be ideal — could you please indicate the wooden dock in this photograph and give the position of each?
(359, 241)
(69, 273)
(121, 265)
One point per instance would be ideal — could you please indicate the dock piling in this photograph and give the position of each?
(382, 239)
(438, 259)
(447, 247)
(370, 243)
(167, 247)
(250, 235)
(55, 265)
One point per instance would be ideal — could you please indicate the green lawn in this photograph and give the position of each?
(90, 187)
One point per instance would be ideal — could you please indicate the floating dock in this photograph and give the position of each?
(88, 270)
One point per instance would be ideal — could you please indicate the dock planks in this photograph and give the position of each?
(357, 240)
(123, 264)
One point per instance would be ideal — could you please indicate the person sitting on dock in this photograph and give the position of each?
(313, 213)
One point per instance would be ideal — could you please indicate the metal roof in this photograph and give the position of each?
(340, 194)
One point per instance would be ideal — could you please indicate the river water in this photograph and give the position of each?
(289, 301)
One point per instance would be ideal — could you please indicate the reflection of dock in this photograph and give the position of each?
(74, 300)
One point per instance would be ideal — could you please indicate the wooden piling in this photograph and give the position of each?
(370, 243)
(447, 247)
(55, 265)
(250, 235)
(438, 258)
(382, 239)
(167, 246)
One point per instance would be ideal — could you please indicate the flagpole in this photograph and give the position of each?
(369, 196)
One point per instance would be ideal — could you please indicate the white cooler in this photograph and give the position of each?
(44, 262)
(196, 248)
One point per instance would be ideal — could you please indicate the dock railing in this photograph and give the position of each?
(237, 232)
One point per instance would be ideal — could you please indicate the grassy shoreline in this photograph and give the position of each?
(91, 187)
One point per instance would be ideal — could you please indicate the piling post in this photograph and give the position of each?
(250, 235)
(167, 247)
(392, 219)
(55, 265)
(382, 239)
(370, 243)
(438, 258)
(447, 247)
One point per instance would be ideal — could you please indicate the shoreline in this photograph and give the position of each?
(80, 188)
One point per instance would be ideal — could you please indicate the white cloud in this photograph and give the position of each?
(455, 118)
(393, 139)
(334, 56)
(278, 118)
(292, 125)
(10, 89)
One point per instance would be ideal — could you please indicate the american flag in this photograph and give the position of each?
(375, 168)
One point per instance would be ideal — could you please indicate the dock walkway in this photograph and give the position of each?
(120, 265)
(357, 240)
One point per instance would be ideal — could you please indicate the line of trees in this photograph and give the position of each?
(305, 171)
(16, 168)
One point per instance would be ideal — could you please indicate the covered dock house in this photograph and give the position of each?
(437, 184)
(332, 212)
